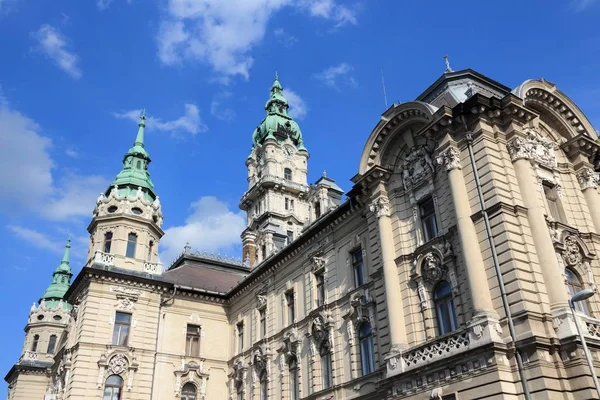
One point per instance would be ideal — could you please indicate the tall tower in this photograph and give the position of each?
(45, 332)
(275, 202)
(126, 224)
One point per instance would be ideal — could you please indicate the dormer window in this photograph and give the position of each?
(287, 174)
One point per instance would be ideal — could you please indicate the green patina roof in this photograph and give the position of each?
(135, 169)
(277, 124)
(61, 281)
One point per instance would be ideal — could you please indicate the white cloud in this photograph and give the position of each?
(223, 33)
(103, 4)
(36, 238)
(219, 109)
(285, 38)
(212, 226)
(298, 107)
(337, 75)
(26, 175)
(582, 4)
(189, 122)
(71, 152)
(54, 45)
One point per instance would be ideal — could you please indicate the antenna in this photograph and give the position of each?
(384, 94)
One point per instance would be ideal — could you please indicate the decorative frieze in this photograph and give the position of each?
(588, 178)
(126, 291)
(449, 159)
(381, 207)
(533, 147)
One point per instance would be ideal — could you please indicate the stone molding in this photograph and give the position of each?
(190, 372)
(449, 159)
(381, 207)
(416, 167)
(533, 147)
(588, 178)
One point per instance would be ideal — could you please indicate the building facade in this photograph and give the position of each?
(445, 273)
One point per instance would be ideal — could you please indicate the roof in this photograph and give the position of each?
(205, 276)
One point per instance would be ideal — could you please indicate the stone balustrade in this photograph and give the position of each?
(29, 356)
(153, 268)
(590, 326)
(104, 258)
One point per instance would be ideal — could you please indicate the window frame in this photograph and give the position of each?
(35, 343)
(287, 174)
(118, 330)
(290, 307)
(264, 386)
(290, 236)
(367, 349)
(190, 338)
(293, 378)
(112, 387)
(240, 336)
(320, 288)
(52, 344)
(575, 284)
(326, 370)
(185, 396)
(428, 218)
(131, 248)
(107, 243)
(262, 317)
(553, 206)
(445, 309)
(358, 266)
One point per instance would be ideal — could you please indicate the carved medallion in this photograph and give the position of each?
(118, 364)
(571, 254)
(431, 268)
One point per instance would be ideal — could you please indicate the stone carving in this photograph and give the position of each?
(125, 303)
(571, 254)
(260, 361)
(422, 295)
(588, 179)
(118, 364)
(261, 299)
(449, 158)
(126, 291)
(319, 262)
(381, 207)
(321, 325)
(431, 268)
(239, 373)
(436, 394)
(533, 147)
(416, 166)
(453, 280)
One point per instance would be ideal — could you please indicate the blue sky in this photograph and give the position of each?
(74, 75)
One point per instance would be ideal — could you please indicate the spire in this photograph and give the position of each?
(134, 174)
(61, 281)
(278, 124)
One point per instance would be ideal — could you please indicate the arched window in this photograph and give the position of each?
(51, 344)
(34, 345)
(240, 390)
(326, 369)
(264, 394)
(574, 285)
(107, 242)
(113, 388)
(188, 392)
(444, 308)
(365, 338)
(150, 249)
(287, 174)
(294, 383)
(139, 165)
(131, 242)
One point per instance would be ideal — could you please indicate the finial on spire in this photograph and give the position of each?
(65, 259)
(448, 68)
(143, 117)
(139, 139)
(324, 174)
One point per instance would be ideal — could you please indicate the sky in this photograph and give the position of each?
(75, 74)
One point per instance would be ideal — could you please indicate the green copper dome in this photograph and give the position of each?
(135, 173)
(61, 281)
(277, 125)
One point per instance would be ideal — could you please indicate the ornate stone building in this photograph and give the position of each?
(445, 273)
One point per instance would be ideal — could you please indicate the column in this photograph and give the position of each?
(476, 274)
(398, 341)
(522, 151)
(588, 179)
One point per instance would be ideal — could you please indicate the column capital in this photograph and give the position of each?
(533, 147)
(381, 207)
(449, 159)
(588, 178)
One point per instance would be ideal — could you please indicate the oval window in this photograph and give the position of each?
(136, 210)
(57, 317)
(40, 317)
(112, 209)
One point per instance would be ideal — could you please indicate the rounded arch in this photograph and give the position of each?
(189, 391)
(392, 122)
(555, 107)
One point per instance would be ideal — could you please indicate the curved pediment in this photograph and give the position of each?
(394, 122)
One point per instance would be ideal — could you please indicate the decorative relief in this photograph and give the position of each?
(449, 158)
(571, 254)
(423, 298)
(260, 360)
(125, 303)
(118, 364)
(381, 207)
(416, 166)
(533, 147)
(588, 179)
(321, 326)
(190, 372)
(126, 291)
(318, 263)
(431, 267)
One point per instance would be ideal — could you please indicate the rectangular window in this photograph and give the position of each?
(290, 236)
(287, 203)
(192, 341)
(263, 323)
(552, 201)
(326, 370)
(131, 242)
(428, 219)
(291, 310)
(121, 330)
(263, 249)
(292, 204)
(107, 241)
(240, 332)
(320, 289)
(294, 387)
(317, 209)
(358, 267)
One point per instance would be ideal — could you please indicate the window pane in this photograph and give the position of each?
(131, 242)
(552, 201)
(51, 344)
(358, 266)
(107, 241)
(34, 345)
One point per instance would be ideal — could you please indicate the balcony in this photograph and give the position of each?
(108, 260)
(272, 180)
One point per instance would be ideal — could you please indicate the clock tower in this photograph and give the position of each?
(276, 202)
